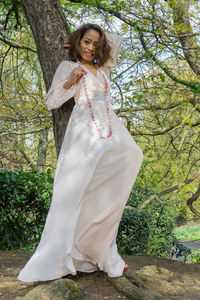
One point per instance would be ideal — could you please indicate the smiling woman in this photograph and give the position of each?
(97, 166)
(88, 46)
(91, 42)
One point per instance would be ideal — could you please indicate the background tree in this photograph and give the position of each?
(155, 89)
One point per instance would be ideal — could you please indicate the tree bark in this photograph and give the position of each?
(185, 33)
(192, 199)
(42, 150)
(50, 32)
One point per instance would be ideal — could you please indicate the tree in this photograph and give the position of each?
(24, 119)
(156, 89)
(50, 32)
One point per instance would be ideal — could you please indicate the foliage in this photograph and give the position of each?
(22, 94)
(187, 232)
(133, 233)
(162, 225)
(25, 199)
(140, 192)
(195, 256)
(24, 202)
(179, 250)
(147, 231)
(155, 86)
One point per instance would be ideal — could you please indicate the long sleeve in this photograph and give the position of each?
(114, 41)
(57, 95)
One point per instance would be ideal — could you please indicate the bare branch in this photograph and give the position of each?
(147, 107)
(14, 45)
(195, 86)
(192, 199)
(174, 188)
(27, 159)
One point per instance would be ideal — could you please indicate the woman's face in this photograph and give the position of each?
(88, 45)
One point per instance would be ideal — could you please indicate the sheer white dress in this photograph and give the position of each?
(92, 183)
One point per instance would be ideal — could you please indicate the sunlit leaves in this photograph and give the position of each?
(154, 89)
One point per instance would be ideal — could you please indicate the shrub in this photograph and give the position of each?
(179, 250)
(133, 233)
(24, 201)
(149, 230)
(162, 226)
(195, 256)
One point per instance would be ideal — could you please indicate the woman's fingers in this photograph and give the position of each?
(78, 73)
(80, 69)
(83, 71)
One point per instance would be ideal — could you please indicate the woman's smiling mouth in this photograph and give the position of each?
(89, 54)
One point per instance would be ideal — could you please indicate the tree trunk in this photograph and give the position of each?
(185, 33)
(42, 150)
(50, 32)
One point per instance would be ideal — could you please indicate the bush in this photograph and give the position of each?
(195, 256)
(24, 201)
(179, 250)
(149, 230)
(133, 233)
(162, 226)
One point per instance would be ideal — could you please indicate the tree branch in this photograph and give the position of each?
(195, 86)
(154, 133)
(147, 107)
(185, 33)
(27, 159)
(14, 45)
(174, 188)
(19, 133)
(192, 199)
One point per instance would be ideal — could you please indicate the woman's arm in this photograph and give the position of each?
(76, 74)
(114, 41)
(63, 85)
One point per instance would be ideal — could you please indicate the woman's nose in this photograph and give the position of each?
(91, 47)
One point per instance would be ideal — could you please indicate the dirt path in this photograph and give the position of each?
(11, 263)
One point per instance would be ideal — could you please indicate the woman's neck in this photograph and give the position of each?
(90, 67)
(86, 63)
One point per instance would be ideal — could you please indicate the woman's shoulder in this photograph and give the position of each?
(69, 62)
(66, 67)
(106, 71)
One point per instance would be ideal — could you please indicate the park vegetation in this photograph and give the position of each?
(155, 92)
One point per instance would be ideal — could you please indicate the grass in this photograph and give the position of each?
(187, 232)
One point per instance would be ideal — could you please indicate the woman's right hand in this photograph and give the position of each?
(76, 74)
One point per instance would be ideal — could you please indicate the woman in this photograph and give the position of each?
(97, 166)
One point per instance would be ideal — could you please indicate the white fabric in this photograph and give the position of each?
(92, 183)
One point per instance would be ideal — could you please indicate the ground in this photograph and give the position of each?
(11, 263)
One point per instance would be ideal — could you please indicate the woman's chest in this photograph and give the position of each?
(92, 87)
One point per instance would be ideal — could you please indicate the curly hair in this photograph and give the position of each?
(102, 52)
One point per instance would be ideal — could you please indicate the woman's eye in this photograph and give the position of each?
(87, 42)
